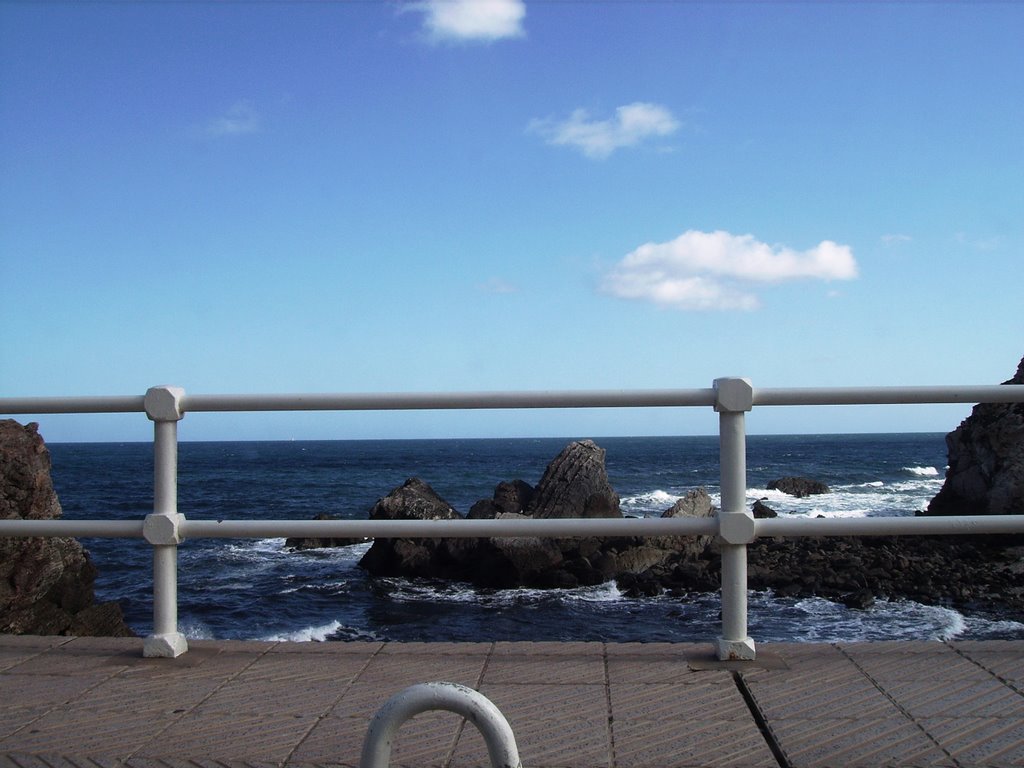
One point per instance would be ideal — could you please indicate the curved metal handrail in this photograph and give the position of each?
(472, 705)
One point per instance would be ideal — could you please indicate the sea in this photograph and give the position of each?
(257, 589)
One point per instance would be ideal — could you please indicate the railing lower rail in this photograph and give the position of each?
(735, 525)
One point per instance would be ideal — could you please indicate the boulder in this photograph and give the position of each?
(798, 486)
(762, 511)
(575, 484)
(509, 497)
(413, 500)
(321, 542)
(985, 474)
(696, 503)
(46, 584)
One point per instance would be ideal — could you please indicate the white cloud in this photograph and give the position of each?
(896, 239)
(241, 117)
(472, 20)
(632, 124)
(714, 270)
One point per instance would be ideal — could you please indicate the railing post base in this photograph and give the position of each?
(165, 646)
(736, 650)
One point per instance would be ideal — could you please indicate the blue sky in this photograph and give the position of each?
(488, 195)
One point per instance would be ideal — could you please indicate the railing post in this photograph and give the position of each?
(733, 398)
(162, 527)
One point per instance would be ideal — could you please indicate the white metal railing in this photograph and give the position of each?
(731, 398)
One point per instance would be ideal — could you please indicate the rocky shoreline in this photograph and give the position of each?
(968, 573)
(46, 584)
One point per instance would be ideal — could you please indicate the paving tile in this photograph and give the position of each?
(341, 648)
(664, 667)
(522, 704)
(57, 661)
(151, 762)
(436, 649)
(252, 697)
(669, 701)
(158, 696)
(269, 737)
(333, 741)
(12, 657)
(667, 650)
(132, 645)
(195, 664)
(72, 731)
(1002, 646)
(241, 646)
(856, 743)
(988, 741)
(394, 673)
(689, 744)
(556, 742)
(18, 691)
(36, 643)
(832, 693)
(363, 701)
(55, 761)
(1006, 665)
(551, 670)
(938, 697)
(554, 648)
(915, 666)
(298, 669)
(13, 719)
(889, 647)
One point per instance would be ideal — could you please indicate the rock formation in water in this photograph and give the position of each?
(46, 584)
(800, 487)
(979, 571)
(575, 484)
(986, 461)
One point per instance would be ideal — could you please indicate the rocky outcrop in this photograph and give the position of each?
(762, 511)
(798, 486)
(46, 584)
(299, 543)
(413, 500)
(575, 484)
(985, 475)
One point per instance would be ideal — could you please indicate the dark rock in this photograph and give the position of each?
(413, 500)
(46, 584)
(862, 599)
(512, 496)
(798, 486)
(575, 484)
(985, 475)
(321, 542)
(762, 510)
(696, 503)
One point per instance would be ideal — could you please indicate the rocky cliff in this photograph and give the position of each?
(46, 584)
(986, 461)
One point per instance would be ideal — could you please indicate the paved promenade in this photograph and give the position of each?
(95, 702)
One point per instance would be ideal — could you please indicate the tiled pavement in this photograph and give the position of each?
(95, 702)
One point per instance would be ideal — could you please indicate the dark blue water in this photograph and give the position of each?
(256, 589)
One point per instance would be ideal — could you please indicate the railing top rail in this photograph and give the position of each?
(614, 398)
(994, 393)
(94, 404)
